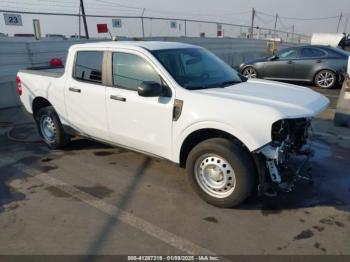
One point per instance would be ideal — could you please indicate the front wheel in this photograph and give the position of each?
(325, 79)
(50, 128)
(250, 72)
(221, 172)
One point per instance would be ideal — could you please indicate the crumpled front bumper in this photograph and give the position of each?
(281, 169)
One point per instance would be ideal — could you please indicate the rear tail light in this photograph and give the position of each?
(19, 85)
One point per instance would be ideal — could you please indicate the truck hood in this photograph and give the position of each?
(289, 100)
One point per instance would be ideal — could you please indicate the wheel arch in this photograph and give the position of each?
(248, 65)
(200, 135)
(38, 103)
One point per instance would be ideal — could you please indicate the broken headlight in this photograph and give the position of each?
(292, 131)
(279, 132)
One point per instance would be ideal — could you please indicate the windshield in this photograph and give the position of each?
(197, 68)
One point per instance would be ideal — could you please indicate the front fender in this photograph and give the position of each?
(250, 141)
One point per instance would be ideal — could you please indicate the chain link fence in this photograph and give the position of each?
(232, 43)
(63, 25)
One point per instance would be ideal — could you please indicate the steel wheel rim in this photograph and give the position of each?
(215, 175)
(48, 129)
(325, 79)
(249, 72)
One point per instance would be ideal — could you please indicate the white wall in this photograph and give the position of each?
(19, 54)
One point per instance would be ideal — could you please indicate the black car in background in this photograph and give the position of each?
(322, 65)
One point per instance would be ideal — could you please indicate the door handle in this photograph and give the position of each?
(76, 90)
(118, 98)
(290, 62)
(319, 61)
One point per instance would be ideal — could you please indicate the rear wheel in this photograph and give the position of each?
(250, 72)
(221, 172)
(325, 79)
(50, 128)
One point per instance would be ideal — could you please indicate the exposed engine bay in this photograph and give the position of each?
(286, 159)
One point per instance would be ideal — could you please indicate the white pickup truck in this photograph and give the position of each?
(178, 102)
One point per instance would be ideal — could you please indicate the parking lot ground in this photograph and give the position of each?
(96, 199)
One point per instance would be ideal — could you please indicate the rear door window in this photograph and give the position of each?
(88, 66)
(311, 53)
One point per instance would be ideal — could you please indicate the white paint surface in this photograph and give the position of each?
(246, 110)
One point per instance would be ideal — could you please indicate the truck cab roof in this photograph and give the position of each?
(149, 45)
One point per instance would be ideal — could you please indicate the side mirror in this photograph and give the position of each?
(273, 58)
(150, 89)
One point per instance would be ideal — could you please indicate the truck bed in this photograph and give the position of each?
(56, 72)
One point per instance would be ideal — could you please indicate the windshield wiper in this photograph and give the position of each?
(216, 85)
(204, 87)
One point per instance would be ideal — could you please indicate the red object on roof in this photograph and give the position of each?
(102, 28)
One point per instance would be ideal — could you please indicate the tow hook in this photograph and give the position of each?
(275, 177)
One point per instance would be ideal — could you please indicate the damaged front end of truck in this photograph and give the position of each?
(286, 159)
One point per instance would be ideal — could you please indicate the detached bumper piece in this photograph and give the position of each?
(283, 170)
(285, 159)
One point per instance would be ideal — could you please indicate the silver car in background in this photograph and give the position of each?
(322, 65)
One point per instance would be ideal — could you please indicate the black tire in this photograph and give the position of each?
(321, 74)
(250, 72)
(240, 161)
(60, 139)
